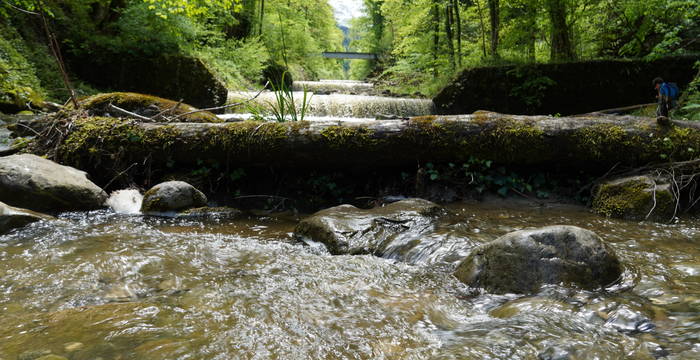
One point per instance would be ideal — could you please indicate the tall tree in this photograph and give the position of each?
(458, 20)
(436, 36)
(495, 16)
(561, 47)
(449, 19)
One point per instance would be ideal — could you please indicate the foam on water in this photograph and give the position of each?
(344, 105)
(334, 86)
(127, 201)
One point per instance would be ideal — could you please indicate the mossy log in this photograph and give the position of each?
(581, 143)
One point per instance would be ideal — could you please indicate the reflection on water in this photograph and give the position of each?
(104, 285)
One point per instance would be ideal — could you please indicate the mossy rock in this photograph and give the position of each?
(144, 105)
(635, 198)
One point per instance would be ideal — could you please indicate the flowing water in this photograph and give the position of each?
(337, 99)
(104, 285)
(335, 86)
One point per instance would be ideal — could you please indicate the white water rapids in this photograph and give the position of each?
(334, 99)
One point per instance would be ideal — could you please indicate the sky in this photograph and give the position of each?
(346, 10)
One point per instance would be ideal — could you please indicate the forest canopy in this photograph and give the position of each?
(422, 44)
(425, 42)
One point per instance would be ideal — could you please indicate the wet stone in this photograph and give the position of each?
(211, 213)
(12, 217)
(52, 357)
(626, 320)
(346, 229)
(38, 184)
(73, 346)
(554, 353)
(172, 196)
(523, 261)
(33, 354)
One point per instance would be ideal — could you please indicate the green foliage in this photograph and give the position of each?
(19, 85)
(190, 8)
(285, 107)
(689, 105)
(481, 176)
(533, 86)
(421, 50)
(238, 63)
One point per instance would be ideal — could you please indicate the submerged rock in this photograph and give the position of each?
(144, 105)
(633, 198)
(12, 217)
(172, 196)
(52, 357)
(219, 213)
(346, 229)
(35, 183)
(523, 261)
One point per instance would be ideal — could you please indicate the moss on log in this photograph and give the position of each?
(581, 143)
(145, 105)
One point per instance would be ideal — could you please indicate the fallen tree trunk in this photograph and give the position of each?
(588, 143)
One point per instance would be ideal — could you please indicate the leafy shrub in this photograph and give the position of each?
(19, 85)
(689, 107)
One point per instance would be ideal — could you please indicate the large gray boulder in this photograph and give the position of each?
(523, 261)
(172, 196)
(12, 217)
(35, 183)
(346, 229)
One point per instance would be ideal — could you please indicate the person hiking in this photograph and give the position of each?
(666, 95)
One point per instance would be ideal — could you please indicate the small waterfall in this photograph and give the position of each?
(335, 86)
(126, 201)
(340, 105)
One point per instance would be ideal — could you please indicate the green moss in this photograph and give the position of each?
(632, 199)
(134, 102)
(344, 137)
(511, 140)
(424, 119)
(597, 141)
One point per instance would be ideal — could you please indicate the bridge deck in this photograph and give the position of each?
(349, 55)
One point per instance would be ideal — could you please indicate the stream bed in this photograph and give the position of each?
(103, 285)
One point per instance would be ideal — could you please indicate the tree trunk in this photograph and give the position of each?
(531, 25)
(483, 27)
(448, 32)
(562, 49)
(436, 36)
(99, 145)
(262, 15)
(494, 15)
(458, 20)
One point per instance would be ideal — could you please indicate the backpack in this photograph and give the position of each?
(671, 90)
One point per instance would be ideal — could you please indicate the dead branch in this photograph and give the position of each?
(128, 113)
(167, 111)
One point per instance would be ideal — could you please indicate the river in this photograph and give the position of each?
(116, 286)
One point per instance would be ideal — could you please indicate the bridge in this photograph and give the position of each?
(350, 55)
